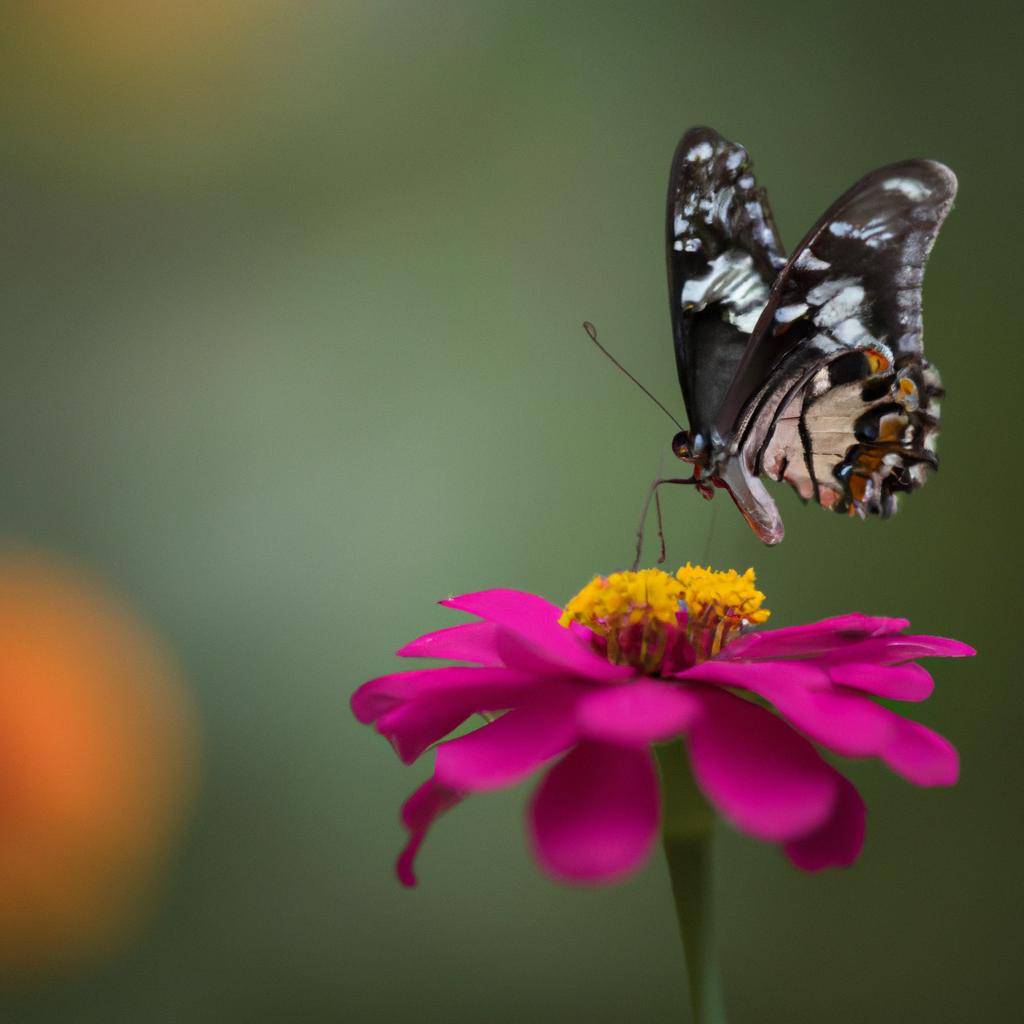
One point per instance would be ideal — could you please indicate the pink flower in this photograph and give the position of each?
(639, 659)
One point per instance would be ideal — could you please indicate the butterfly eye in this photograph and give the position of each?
(681, 446)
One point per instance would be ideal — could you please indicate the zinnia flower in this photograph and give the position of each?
(639, 658)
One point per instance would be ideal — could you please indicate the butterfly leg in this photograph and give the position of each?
(661, 528)
(652, 495)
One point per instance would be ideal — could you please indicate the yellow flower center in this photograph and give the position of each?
(636, 614)
(720, 604)
(630, 611)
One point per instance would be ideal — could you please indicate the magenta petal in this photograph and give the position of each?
(920, 755)
(472, 641)
(535, 622)
(594, 816)
(509, 748)
(891, 650)
(845, 722)
(849, 624)
(842, 720)
(762, 775)
(380, 695)
(813, 638)
(418, 814)
(413, 728)
(636, 714)
(837, 843)
(758, 675)
(577, 660)
(517, 609)
(897, 682)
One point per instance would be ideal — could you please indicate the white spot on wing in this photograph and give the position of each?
(875, 233)
(732, 280)
(910, 187)
(826, 345)
(700, 152)
(840, 228)
(726, 271)
(821, 293)
(680, 224)
(806, 260)
(787, 314)
(850, 331)
(746, 322)
(720, 208)
(840, 307)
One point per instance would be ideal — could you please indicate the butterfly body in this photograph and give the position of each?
(809, 369)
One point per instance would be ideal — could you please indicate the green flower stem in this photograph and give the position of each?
(686, 834)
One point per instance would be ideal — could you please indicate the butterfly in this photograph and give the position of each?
(809, 369)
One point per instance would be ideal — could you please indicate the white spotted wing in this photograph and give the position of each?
(723, 253)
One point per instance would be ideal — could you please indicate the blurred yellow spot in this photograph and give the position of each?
(96, 764)
(117, 36)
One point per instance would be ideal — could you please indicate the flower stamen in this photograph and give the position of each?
(638, 618)
(631, 612)
(720, 604)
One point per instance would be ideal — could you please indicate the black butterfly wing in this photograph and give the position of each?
(833, 393)
(723, 254)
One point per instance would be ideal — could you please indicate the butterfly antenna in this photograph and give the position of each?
(592, 334)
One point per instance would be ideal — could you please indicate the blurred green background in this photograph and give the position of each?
(292, 298)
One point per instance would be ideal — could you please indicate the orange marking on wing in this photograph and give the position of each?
(858, 485)
(877, 361)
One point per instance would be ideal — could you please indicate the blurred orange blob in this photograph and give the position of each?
(97, 759)
(124, 36)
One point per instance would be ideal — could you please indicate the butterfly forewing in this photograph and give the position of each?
(723, 255)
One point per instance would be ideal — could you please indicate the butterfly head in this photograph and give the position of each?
(692, 450)
(688, 447)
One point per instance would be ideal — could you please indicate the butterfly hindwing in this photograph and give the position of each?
(833, 393)
(723, 255)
